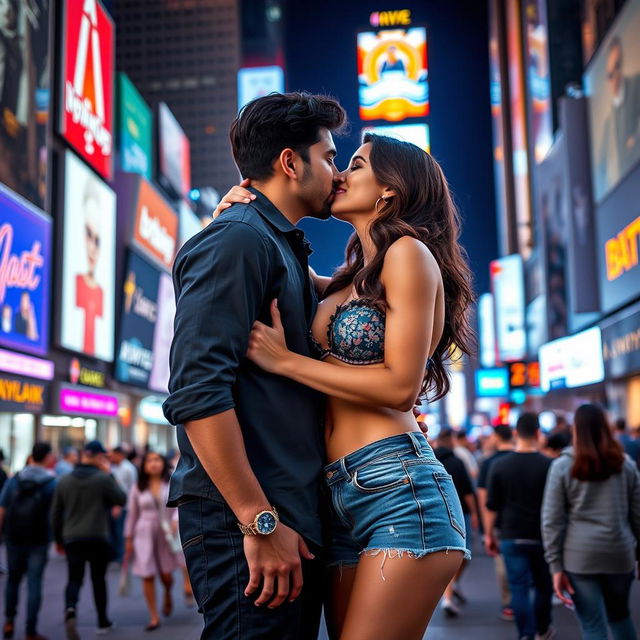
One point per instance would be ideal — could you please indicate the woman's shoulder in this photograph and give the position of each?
(410, 255)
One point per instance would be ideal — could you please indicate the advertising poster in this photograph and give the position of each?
(487, 331)
(86, 113)
(159, 379)
(139, 315)
(417, 134)
(174, 153)
(255, 82)
(189, 224)
(25, 276)
(135, 129)
(621, 345)
(88, 268)
(156, 225)
(612, 83)
(24, 97)
(392, 74)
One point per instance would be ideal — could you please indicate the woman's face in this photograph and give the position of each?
(153, 465)
(357, 190)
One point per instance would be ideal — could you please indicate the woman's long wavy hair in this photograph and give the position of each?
(422, 208)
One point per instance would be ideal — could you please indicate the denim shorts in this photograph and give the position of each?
(393, 497)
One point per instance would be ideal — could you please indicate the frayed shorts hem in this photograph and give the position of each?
(395, 552)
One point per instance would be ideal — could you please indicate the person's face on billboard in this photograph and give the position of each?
(319, 174)
(92, 233)
(614, 69)
(8, 15)
(25, 303)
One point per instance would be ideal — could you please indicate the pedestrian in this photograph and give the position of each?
(25, 509)
(456, 468)
(126, 475)
(514, 499)
(591, 527)
(554, 445)
(67, 462)
(151, 532)
(502, 438)
(80, 517)
(464, 450)
(630, 444)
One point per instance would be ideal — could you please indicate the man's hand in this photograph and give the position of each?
(562, 586)
(490, 545)
(128, 548)
(116, 512)
(238, 193)
(275, 559)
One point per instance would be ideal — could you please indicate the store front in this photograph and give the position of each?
(151, 428)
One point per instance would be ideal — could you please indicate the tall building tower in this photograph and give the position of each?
(186, 53)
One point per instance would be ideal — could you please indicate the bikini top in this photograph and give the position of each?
(355, 334)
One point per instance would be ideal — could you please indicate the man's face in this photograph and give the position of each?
(317, 181)
(614, 70)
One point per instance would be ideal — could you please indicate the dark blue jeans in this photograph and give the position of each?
(526, 567)
(29, 559)
(213, 548)
(600, 598)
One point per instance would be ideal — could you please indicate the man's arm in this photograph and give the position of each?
(492, 507)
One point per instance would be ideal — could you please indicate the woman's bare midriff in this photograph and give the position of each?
(350, 426)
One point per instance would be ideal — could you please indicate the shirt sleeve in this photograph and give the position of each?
(555, 516)
(221, 284)
(495, 497)
(7, 493)
(482, 475)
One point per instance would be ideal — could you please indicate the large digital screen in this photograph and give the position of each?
(487, 330)
(492, 383)
(392, 74)
(507, 283)
(417, 134)
(159, 378)
(135, 130)
(574, 361)
(255, 82)
(86, 113)
(174, 153)
(25, 258)
(24, 97)
(88, 265)
(612, 83)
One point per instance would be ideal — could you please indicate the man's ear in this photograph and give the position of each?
(287, 159)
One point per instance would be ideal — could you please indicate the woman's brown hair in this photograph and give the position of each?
(421, 208)
(597, 454)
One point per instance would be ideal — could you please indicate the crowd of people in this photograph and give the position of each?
(97, 507)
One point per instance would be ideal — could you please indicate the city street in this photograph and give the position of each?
(479, 619)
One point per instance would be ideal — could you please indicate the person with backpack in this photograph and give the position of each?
(25, 505)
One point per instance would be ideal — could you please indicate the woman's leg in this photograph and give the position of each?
(337, 601)
(167, 605)
(149, 590)
(394, 597)
(589, 605)
(616, 589)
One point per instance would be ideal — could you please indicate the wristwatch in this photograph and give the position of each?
(263, 524)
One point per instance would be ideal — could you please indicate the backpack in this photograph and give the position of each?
(27, 519)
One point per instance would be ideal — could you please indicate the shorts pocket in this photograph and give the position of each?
(380, 475)
(451, 500)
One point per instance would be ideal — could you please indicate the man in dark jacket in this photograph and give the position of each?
(81, 505)
(462, 481)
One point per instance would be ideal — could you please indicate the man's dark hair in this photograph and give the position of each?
(503, 432)
(40, 451)
(621, 424)
(267, 125)
(558, 441)
(527, 426)
(446, 435)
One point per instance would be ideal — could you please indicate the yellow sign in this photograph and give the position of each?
(21, 392)
(399, 17)
(621, 251)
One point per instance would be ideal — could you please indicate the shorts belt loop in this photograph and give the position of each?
(343, 469)
(415, 441)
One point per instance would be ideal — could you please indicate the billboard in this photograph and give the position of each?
(507, 283)
(487, 330)
(492, 383)
(574, 361)
(139, 314)
(392, 74)
(621, 344)
(24, 97)
(135, 130)
(156, 225)
(88, 264)
(189, 223)
(159, 378)
(174, 153)
(25, 274)
(612, 83)
(86, 113)
(255, 82)
(417, 134)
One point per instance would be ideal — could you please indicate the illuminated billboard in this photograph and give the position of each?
(417, 134)
(174, 153)
(392, 74)
(255, 82)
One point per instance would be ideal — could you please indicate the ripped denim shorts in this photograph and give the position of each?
(393, 497)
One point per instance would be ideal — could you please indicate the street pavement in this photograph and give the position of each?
(479, 619)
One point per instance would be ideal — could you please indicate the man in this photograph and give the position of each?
(80, 519)
(462, 482)
(619, 147)
(462, 449)
(514, 495)
(126, 476)
(68, 461)
(502, 437)
(250, 442)
(25, 506)
(630, 444)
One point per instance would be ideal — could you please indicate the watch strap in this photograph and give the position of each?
(251, 529)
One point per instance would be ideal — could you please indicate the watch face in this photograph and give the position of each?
(266, 523)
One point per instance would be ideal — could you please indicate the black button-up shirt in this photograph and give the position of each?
(225, 278)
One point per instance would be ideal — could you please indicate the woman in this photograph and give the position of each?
(148, 521)
(591, 527)
(385, 328)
